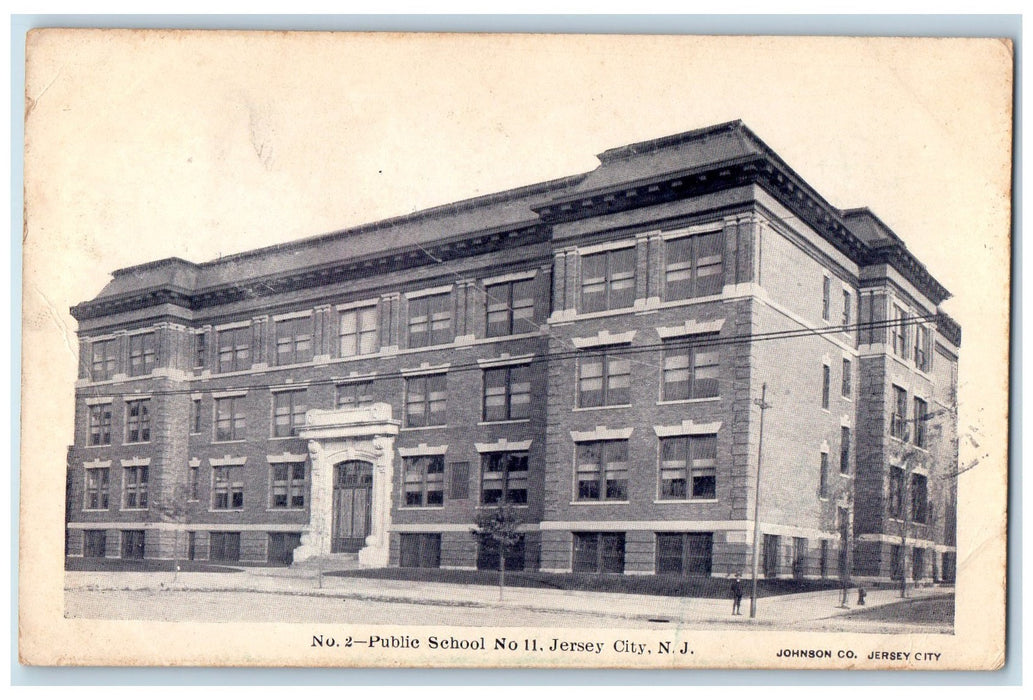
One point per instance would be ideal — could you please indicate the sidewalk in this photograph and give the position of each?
(776, 611)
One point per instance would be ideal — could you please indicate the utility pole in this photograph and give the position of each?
(764, 405)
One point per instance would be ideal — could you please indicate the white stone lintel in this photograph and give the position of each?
(601, 433)
(602, 338)
(503, 445)
(422, 450)
(691, 328)
(687, 427)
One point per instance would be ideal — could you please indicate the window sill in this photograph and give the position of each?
(141, 442)
(225, 510)
(688, 500)
(600, 408)
(228, 442)
(285, 510)
(600, 503)
(675, 402)
(134, 510)
(104, 510)
(441, 507)
(285, 437)
(505, 422)
(486, 506)
(425, 427)
(847, 475)
(107, 444)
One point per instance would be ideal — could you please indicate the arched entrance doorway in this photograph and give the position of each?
(352, 505)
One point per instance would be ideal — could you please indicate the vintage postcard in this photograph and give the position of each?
(432, 350)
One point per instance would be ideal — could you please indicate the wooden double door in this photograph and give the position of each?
(353, 495)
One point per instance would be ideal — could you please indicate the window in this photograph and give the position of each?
(603, 380)
(294, 340)
(917, 563)
(847, 320)
(608, 280)
(132, 544)
(919, 498)
(844, 450)
(229, 418)
(95, 543)
(799, 556)
(900, 331)
(772, 555)
(690, 373)
(688, 467)
(898, 421)
(602, 470)
(599, 552)
(194, 484)
(503, 478)
(510, 308)
(134, 487)
(424, 480)
(896, 562)
(826, 297)
(354, 394)
(920, 419)
(358, 331)
(100, 424)
(200, 349)
(425, 399)
(459, 481)
(97, 488)
(896, 496)
(288, 485)
(922, 354)
(826, 379)
(507, 393)
(227, 488)
(141, 354)
(419, 550)
(195, 416)
(488, 558)
(430, 320)
(694, 266)
(847, 379)
(288, 413)
(104, 354)
(234, 349)
(823, 478)
(138, 420)
(684, 553)
(224, 546)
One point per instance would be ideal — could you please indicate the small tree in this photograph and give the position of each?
(497, 528)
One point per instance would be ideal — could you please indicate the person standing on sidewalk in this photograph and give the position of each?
(736, 596)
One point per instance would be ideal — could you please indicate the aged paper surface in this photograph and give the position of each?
(146, 145)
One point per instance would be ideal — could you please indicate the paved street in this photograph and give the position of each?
(283, 595)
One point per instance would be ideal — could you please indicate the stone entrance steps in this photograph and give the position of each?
(328, 562)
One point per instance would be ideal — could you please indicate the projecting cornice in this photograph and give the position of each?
(331, 273)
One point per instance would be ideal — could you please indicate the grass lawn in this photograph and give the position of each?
(102, 564)
(662, 584)
(938, 610)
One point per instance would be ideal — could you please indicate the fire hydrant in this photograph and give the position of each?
(860, 596)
